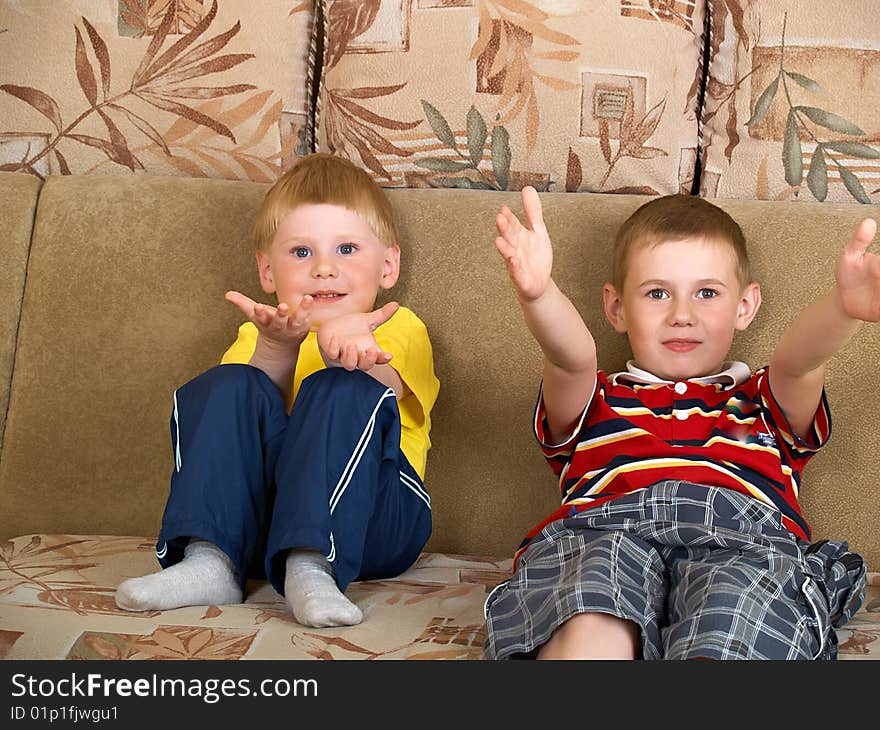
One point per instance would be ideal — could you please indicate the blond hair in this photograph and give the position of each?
(675, 218)
(325, 179)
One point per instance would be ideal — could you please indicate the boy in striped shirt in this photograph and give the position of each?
(680, 534)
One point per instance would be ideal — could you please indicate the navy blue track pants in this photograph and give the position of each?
(257, 482)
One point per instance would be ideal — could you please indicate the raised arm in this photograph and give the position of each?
(281, 333)
(568, 347)
(797, 367)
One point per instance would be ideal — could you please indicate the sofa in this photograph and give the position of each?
(111, 296)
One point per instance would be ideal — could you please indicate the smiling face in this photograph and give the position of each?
(332, 254)
(680, 305)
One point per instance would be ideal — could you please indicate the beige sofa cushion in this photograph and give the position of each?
(16, 221)
(230, 100)
(831, 64)
(566, 96)
(125, 302)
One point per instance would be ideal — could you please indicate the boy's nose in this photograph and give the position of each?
(323, 269)
(681, 314)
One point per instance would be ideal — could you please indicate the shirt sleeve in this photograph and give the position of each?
(241, 351)
(559, 454)
(406, 338)
(774, 416)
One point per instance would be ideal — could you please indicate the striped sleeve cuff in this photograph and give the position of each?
(542, 429)
(820, 429)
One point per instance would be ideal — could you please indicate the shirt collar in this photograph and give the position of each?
(733, 373)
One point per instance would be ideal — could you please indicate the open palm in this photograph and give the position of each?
(279, 325)
(348, 341)
(858, 275)
(526, 249)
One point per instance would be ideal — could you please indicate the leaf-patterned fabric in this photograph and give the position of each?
(497, 94)
(56, 602)
(791, 101)
(200, 88)
(606, 96)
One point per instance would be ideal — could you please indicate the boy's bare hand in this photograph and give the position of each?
(858, 275)
(278, 325)
(527, 250)
(348, 341)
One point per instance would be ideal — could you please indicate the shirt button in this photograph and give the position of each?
(681, 388)
(681, 415)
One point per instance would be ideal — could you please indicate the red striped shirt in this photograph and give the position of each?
(634, 434)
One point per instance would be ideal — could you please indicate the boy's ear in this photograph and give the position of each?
(614, 307)
(749, 303)
(265, 270)
(390, 267)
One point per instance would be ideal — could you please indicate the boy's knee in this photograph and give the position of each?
(346, 383)
(594, 636)
(230, 379)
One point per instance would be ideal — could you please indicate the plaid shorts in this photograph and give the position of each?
(704, 571)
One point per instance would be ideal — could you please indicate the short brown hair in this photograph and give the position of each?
(328, 179)
(674, 218)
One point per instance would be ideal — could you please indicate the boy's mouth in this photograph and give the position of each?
(327, 296)
(680, 345)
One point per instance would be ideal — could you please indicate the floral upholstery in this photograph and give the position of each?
(791, 101)
(56, 602)
(496, 94)
(200, 88)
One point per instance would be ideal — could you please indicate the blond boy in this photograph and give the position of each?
(680, 534)
(302, 456)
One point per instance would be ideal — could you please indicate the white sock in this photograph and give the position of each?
(205, 577)
(312, 593)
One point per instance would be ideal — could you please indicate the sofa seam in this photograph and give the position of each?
(320, 33)
(15, 338)
(314, 73)
(705, 53)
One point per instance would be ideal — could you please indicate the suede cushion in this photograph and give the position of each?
(125, 302)
(16, 220)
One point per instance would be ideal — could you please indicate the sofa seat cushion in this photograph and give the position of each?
(56, 602)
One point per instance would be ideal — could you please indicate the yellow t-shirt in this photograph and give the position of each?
(406, 338)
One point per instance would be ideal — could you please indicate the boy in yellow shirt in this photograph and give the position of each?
(302, 456)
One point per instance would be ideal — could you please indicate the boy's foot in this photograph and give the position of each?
(205, 577)
(312, 594)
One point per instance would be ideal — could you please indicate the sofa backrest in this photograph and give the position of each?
(124, 302)
(18, 204)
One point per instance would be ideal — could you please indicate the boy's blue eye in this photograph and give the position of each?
(347, 249)
(301, 252)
